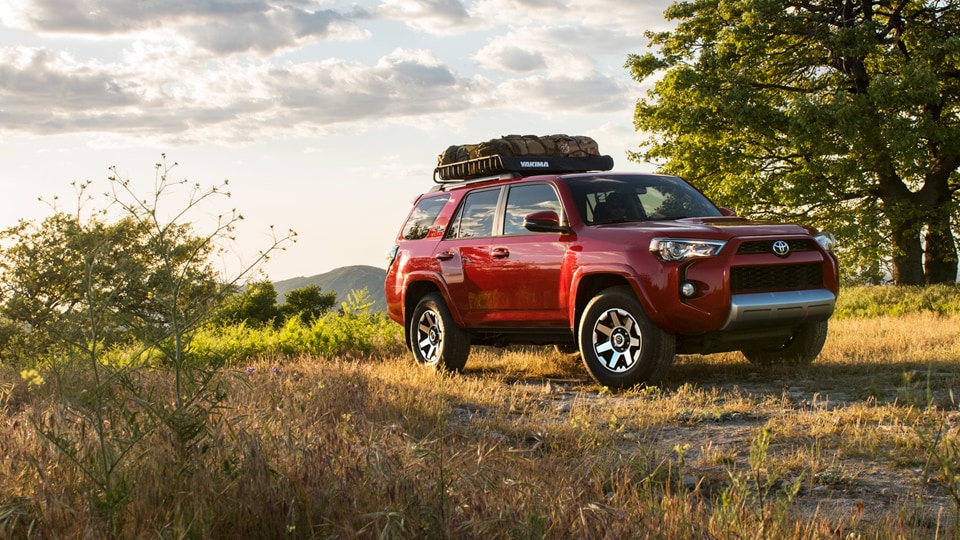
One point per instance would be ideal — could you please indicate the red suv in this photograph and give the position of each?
(629, 268)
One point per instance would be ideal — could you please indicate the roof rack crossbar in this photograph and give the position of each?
(490, 166)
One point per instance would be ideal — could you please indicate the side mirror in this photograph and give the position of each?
(544, 221)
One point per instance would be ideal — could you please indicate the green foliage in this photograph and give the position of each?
(333, 335)
(867, 302)
(835, 114)
(54, 272)
(307, 303)
(255, 306)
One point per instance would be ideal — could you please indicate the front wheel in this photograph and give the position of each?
(620, 346)
(799, 350)
(435, 339)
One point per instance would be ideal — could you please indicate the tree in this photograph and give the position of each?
(308, 303)
(56, 272)
(836, 112)
(255, 306)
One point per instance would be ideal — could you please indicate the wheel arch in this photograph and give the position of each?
(413, 292)
(589, 282)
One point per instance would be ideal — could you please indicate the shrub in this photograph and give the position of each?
(879, 301)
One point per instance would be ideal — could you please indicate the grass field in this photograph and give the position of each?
(861, 444)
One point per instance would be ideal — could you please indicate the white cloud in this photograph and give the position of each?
(609, 14)
(588, 93)
(218, 26)
(438, 17)
(234, 71)
(504, 55)
(401, 84)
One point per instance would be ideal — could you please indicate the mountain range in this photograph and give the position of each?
(343, 281)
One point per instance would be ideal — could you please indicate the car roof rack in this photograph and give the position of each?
(489, 167)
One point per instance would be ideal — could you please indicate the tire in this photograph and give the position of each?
(620, 346)
(799, 350)
(436, 341)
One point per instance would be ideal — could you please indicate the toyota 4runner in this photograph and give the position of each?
(630, 269)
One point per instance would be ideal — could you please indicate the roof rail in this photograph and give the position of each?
(491, 166)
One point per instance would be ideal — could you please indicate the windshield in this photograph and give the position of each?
(640, 197)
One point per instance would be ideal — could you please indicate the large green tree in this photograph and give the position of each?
(841, 113)
(68, 282)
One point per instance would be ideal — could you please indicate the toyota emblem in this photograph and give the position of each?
(781, 248)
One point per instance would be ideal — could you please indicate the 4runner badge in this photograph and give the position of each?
(781, 248)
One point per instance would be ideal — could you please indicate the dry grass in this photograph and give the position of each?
(524, 445)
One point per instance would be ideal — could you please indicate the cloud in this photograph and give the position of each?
(48, 93)
(450, 17)
(610, 14)
(235, 71)
(403, 83)
(590, 93)
(104, 17)
(218, 26)
(270, 30)
(560, 50)
(506, 56)
(438, 17)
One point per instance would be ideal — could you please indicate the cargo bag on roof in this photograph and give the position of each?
(523, 145)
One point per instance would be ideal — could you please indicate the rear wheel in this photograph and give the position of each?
(620, 346)
(435, 339)
(800, 349)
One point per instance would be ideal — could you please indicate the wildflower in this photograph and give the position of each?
(250, 370)
(32, 377)
(276, 370)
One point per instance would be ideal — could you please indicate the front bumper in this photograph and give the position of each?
(788, 308)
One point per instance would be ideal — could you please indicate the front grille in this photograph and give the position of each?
(775, 278)
(766, 246)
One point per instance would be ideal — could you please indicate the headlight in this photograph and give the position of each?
(675, 249)
(826, 241)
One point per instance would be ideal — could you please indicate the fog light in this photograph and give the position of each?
(688, 289)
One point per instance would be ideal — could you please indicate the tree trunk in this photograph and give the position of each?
(907, 256)
(940, 254)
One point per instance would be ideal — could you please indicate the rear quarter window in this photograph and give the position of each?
(422, 217)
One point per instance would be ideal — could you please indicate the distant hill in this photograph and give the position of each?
(342, 281)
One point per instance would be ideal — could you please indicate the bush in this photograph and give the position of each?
(880, 301)
(348, 335)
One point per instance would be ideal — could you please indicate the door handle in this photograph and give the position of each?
(500, 253)
(445, 255)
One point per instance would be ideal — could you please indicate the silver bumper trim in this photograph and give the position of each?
(757, 310)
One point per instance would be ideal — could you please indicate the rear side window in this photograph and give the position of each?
(423, 216)
(474, 219)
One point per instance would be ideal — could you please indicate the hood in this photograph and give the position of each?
(713, 227)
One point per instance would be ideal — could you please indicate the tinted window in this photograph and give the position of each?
(637, 198)
(474, 218)
(423, 216)
(527, 199)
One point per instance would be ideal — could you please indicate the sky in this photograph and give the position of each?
(325, 117)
